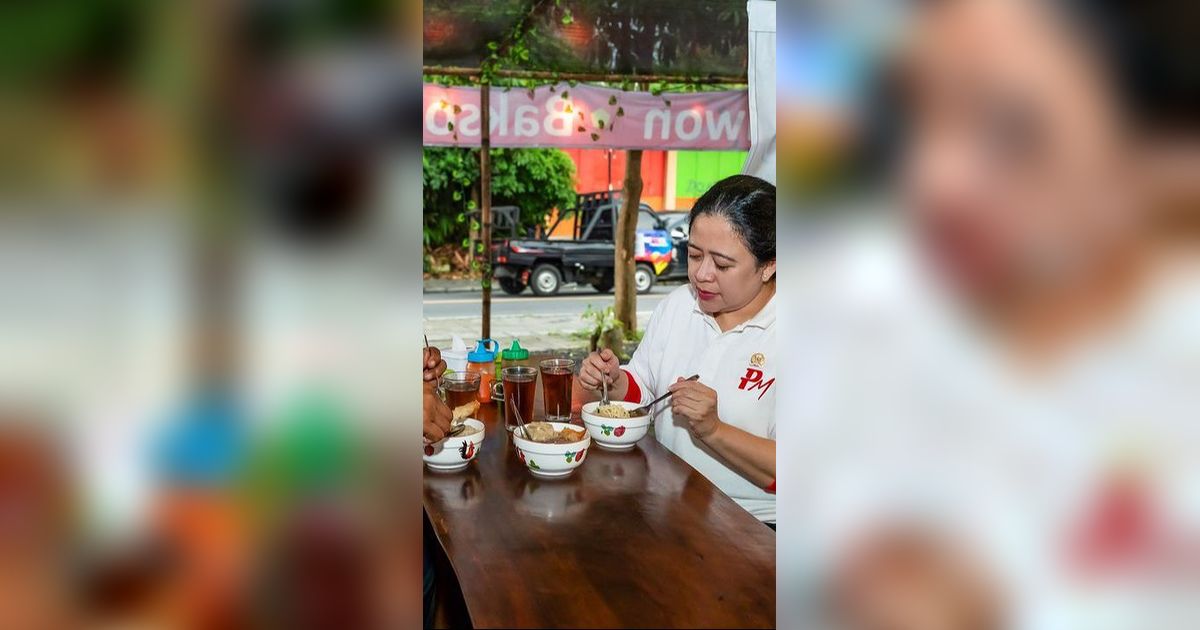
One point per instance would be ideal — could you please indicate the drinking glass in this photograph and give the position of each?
(460, 388)
(519, 386)
(557, 375)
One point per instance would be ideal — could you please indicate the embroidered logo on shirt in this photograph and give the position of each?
(758, 359)
(753, 379)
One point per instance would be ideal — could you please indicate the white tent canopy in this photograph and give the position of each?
(761, 75)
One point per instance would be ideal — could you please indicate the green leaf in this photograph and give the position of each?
(600, 124)
(612, 100)
(595, 137)
(620, 111)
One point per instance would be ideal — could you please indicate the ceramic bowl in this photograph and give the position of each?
(551, 460)
(454, 453)
(618, 434)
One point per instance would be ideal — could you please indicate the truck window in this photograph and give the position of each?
(647, 220)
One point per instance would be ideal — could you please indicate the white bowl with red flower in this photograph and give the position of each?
(618, 434)
(454, 453)
(550, 460)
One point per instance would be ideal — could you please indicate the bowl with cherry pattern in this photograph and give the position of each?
(550, 460)
(618, 434)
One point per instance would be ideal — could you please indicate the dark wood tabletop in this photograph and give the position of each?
(630, 539)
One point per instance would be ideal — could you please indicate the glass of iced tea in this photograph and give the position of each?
(556, 388)
(519, 386)
(460, 387)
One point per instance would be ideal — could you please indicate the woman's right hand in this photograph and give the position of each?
(437, 416)
(602, 364)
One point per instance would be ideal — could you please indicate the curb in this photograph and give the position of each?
(471, 288)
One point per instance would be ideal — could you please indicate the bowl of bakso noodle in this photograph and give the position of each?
(454, 453)
(611, 425)
(551, 449)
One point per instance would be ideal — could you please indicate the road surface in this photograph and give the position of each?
(569, 302)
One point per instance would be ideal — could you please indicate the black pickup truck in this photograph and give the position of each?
(545, 264)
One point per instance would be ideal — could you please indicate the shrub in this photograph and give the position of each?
(536, 180)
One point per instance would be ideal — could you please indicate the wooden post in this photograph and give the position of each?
(625, 302)
(485, 202)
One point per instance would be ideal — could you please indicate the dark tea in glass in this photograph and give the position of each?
(519, 386)
(556, 388)
(460, 387)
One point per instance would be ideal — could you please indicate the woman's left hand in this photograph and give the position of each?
(696, 403)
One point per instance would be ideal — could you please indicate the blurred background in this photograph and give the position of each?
(210, 246)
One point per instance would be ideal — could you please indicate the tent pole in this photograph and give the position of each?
(485, 202)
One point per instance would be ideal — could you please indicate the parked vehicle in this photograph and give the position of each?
(678, 230)
(545, 264)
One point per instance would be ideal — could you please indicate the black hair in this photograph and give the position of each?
(748, 203)
(1148, 50)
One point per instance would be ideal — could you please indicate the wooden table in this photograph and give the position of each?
(632, 539)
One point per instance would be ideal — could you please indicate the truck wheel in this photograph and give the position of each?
(643, 278)
(545, 280)
(512, 286)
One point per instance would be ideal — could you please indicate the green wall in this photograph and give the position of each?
(696, 171)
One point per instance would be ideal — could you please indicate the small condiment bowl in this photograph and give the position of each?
(618, 434)
(551, 460)
(454, 453)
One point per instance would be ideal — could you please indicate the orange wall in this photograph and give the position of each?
(591, 172)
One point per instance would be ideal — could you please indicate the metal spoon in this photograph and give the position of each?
(458, 428)
(644, 410)
(520, 422)
(604, 384)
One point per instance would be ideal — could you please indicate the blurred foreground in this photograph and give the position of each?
(207, 232)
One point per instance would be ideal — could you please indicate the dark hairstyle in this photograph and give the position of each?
(1148, 49)
(748, 203)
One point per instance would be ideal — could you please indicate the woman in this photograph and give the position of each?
(721, 326)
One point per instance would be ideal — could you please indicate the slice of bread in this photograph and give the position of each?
(465, 411)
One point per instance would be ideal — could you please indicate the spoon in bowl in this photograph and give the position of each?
(644, 410)
(520, 422)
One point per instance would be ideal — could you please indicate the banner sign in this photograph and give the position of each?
(588, 117)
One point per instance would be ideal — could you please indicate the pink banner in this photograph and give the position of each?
(588, 117)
